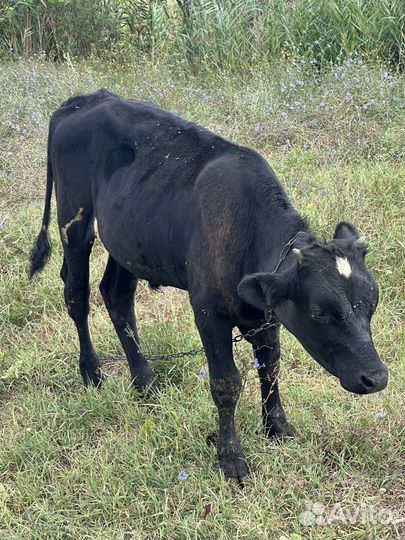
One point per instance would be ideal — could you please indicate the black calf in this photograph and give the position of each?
(177, 205)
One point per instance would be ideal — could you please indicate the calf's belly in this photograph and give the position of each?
(148, 254)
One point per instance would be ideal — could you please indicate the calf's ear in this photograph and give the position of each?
(346, 231)
(264, 290)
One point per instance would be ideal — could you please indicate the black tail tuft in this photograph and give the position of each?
(40, 252)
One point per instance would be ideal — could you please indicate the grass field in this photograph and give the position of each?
(105, 465)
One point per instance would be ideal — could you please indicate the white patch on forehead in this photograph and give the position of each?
(343, 266)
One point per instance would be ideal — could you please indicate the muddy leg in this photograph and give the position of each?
(225, 382)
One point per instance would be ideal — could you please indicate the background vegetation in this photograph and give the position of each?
(316, 87)
(231, 34)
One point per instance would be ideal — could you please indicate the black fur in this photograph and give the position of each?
(41, 250)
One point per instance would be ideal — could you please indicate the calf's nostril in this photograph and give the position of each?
(367, 381)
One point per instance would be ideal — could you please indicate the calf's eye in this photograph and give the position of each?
(319, 316)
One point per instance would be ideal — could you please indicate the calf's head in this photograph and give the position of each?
(326, 298)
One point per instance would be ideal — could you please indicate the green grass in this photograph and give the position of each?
(205, 35)
(88, 464)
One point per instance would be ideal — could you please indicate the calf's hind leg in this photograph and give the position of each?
(118, 288)
(75, 274)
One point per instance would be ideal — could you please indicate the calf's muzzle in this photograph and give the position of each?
(365, 381)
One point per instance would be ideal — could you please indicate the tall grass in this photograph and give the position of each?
(225, 34)
(58, 28)
(232, 33)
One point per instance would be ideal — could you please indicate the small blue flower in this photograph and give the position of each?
(256, 363)
(182, 476)
(1, 226)
(381, 415)
(203, 373)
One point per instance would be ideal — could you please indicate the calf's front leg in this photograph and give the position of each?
(274, 418)
(226, 384)
(266, 348)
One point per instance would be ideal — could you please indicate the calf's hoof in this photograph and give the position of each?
(234, 467)
(280, 430)
(146, 384)
(93, 378)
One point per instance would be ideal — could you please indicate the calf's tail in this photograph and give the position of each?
(41, 250)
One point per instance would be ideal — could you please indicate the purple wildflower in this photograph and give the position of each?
(182, 476)
(381, 415)
(256, 363)
(203, 373)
